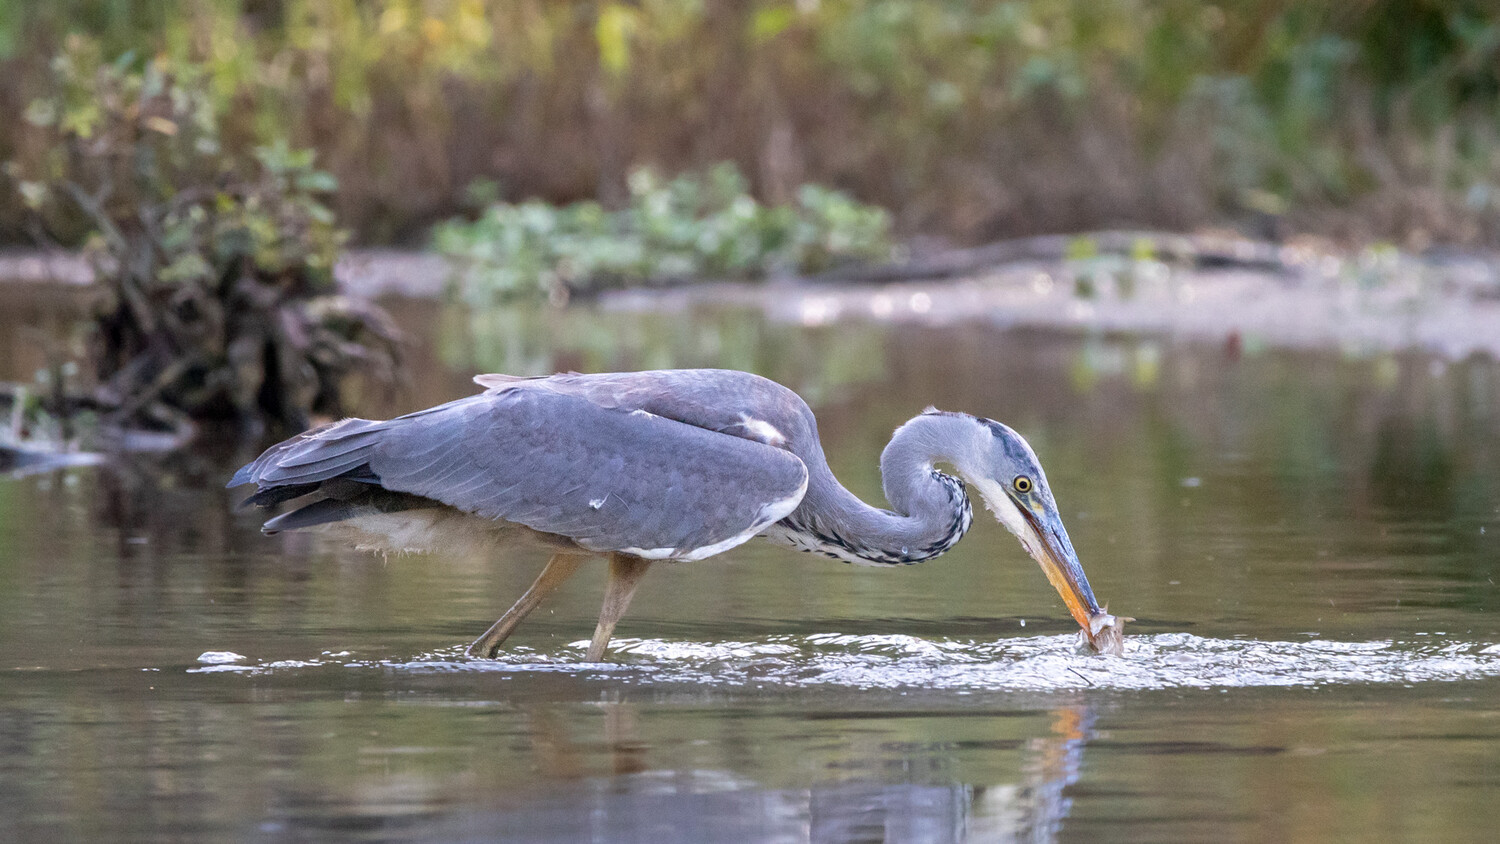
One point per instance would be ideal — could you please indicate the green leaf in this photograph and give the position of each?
(612, 33)
(1082, 248)
(317, 181)
(186, 268)
(771, 21)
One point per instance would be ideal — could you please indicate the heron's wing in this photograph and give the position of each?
(609, 478)
(740, 404)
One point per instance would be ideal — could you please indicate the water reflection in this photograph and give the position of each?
(1311, 542)
(640, 802)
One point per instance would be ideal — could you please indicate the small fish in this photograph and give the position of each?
(1105, 633)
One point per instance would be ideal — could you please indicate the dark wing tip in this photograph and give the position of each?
(319, 512)
(272, 495)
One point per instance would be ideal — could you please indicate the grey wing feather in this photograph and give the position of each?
(740, 404)
(325, 452)
(607, 477)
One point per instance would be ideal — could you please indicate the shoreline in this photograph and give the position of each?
(1374, 302)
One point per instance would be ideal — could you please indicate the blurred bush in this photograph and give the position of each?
(218, 297)
(694, 226)
(976, 119)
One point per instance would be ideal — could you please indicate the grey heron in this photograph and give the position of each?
(672, 465)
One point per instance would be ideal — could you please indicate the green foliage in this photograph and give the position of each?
(976, 118)
(137, 153)
(218, 264)
(691, 227)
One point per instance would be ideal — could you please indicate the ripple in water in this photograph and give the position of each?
(1039, 663)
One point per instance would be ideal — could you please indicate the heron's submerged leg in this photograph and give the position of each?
(558, 569)
(625, 574)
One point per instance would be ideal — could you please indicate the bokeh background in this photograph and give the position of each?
(1370, 119)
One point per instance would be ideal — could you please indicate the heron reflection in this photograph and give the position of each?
(610, 788)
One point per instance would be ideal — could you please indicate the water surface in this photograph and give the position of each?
(1308, 541)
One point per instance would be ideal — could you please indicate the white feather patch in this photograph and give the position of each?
(762, 430)
(1005, 510)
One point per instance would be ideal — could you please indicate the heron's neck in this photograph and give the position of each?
(929, 510)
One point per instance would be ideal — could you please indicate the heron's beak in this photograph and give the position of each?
(1048, 543)
(1052, 550)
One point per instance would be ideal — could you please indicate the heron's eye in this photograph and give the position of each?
(1022, 484)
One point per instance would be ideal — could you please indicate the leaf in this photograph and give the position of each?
(771, 22)
(124, 61)
(189, 267)
(317, 181)
(1082, 248)
(34, 194)
(612, 33)
(81, 119)
(41, 113)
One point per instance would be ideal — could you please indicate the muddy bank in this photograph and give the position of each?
(1374, 301)
(1448, 306)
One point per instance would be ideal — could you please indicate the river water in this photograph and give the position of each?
(1309, 543)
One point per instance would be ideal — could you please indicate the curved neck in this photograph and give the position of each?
(929, 510)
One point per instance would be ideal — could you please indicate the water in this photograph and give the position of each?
(1309, 543)
(910, 663)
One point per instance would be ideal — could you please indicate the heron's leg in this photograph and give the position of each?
(625, 574)
(558, 569)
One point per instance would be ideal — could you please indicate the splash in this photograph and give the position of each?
(1040, 663)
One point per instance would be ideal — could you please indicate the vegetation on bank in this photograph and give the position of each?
(695, 226)
(216, 266)
(976, 120)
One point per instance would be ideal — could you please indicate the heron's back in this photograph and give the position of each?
(643, 463)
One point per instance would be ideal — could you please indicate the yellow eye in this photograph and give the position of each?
(1022, 484)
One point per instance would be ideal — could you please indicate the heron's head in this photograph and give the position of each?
(1010, 479)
